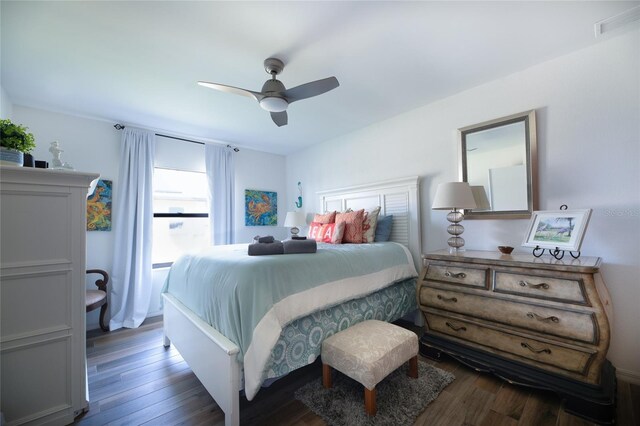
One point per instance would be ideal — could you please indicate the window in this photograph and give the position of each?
(180, 214)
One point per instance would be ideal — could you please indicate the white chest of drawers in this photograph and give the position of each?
(535, 321)
(42, 290)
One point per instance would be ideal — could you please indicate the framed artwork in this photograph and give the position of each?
(562, 229)
(99, 207)
(260, 208)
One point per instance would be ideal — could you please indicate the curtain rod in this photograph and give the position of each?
(119, 126)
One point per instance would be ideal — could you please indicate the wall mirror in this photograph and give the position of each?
(498, 159)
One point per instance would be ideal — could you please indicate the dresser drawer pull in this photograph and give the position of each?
(454, 328)
(448, 299)
(533, 315)
(543, 286)
(534, 350)
(459, 275)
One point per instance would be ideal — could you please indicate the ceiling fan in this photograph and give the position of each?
(274, 97)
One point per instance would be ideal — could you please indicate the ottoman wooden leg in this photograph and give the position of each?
(326, 375)
(413, 367)
(370, 401)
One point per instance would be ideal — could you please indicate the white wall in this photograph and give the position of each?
(265, 172)
(6, 106)
(94, 146)
(588, 112)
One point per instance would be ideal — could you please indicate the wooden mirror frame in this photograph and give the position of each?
(529, 120)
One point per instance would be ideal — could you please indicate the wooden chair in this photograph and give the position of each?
(95, 299)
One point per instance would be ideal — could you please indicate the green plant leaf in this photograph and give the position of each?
(15, 136)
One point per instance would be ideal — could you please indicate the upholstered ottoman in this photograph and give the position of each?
(368, 352)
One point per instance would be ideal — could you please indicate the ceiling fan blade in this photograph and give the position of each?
(230, 89)
(308, 90)
(280, 118)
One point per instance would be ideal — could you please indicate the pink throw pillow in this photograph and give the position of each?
(353, 226)
(325, 218)
(327, 232)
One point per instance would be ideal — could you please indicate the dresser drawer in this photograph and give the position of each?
(559, 289)
(535, 351)
(460, 275)
(580, 326)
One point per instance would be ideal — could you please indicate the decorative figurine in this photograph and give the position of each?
(57, 162)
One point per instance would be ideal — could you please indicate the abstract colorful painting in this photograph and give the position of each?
(99, 207)
(261, 208)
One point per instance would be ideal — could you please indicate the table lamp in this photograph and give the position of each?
(454, 196)
(293, 221)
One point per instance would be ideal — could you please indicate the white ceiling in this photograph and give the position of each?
(138, 62)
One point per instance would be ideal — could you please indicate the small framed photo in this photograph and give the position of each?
(562, 229)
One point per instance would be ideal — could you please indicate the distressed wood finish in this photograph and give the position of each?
(570, 289)
(531, 310)
(459, 274)
(559, 358)
(551, 316)
(532, 316)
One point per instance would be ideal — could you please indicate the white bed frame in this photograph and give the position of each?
(212, 357)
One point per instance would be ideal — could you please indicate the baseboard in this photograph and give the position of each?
(154, 314)
(628, 376)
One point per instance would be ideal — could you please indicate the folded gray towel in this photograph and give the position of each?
(267, 239)
(261, 249)
(300, 246)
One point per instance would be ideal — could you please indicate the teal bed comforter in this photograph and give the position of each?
(251, 299)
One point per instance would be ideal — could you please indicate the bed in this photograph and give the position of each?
(257, 331)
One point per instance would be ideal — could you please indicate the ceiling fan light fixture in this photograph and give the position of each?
(274, 96)
(274, 104)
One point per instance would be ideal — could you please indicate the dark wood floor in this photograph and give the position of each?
(134, 380)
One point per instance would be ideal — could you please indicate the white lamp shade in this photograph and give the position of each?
(480, 196)
(295, 219)
(453, 195)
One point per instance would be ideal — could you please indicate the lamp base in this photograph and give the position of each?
(457, 250)
(456, 242)
(456, 245)
(294, 232)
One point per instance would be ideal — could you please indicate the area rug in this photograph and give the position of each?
(400, 399)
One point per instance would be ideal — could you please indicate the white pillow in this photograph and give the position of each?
(369, 224)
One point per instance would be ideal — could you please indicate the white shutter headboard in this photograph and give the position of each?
(399, 197)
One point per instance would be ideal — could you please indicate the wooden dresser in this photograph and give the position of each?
(539, 322)
(42, 292)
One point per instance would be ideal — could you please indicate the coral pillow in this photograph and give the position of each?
(327, 232)
(369, 224)
(353, 226)
(325, 218)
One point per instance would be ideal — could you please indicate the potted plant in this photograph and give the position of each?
(15, 141)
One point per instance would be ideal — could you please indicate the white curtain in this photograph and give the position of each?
(133, 224)
(220, 165)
